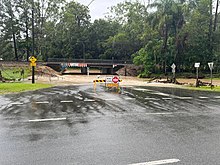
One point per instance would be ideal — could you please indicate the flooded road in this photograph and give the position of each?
(77, 125)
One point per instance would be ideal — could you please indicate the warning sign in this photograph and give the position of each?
(32, 60)
(115, 79)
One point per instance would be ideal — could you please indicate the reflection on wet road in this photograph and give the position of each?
(77, 125)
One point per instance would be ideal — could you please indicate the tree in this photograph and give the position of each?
(132, 17)
(98, 34)
(67, 33)
(9, 24)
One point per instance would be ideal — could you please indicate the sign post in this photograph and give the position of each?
(33, 60)
(197, 73)
(211, 66)
(88, 71)
(173, 66)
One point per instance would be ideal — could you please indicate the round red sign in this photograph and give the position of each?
(115, 79)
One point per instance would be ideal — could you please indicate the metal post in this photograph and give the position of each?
(211, 78)
(125, 69)
(197, 77)
(174, 77)
(33, 81)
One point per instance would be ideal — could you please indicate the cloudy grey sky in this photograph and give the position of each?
(98, 8)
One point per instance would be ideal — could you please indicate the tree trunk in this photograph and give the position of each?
(164, 51)
(216, 15)
(13, 31)
(33, 35)
(27, 37)
(210, 44)
(15, 45)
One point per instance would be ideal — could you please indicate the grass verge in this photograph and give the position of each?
(15, 73)
(206, 88)
(20, 87)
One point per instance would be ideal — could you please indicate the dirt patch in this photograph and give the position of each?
(129, 70)
(46, 71)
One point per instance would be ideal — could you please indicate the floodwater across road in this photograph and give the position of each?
(142, 125)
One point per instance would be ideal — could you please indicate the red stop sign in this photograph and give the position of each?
(115, 79)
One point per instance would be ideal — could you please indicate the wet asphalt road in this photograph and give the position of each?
(141, 124)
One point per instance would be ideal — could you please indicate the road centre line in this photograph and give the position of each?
(51, 119)
(129, 98)
(217, 97)
(151, 98)
(160, 93)
(184, 98)
(42, 102)
(162, 113)
(89, 100)
(158, 162)
(66, 101)
(17, 103)
(203, 97)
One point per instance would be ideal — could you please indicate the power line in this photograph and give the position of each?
(90, 3)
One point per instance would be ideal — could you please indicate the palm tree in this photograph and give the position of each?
(164, 17)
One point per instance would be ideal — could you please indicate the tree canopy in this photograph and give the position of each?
(154, 35)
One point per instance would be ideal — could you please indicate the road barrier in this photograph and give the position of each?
(98, 81)
(102, 81)
(110, 82)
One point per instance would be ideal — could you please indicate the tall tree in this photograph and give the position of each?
(132, 17)
(9, 24)
(216, 15)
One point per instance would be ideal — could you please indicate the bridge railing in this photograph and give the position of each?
(107, 61)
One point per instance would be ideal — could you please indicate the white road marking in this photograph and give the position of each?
(110, 99)
(185, 98)
(42, 102)
(141, 89)
(150, 98)
(165, 161)
(89, 100)
(160, 93)
(66, 101)
(203, 97)
(129, 98)
(51, 119)
(217, 97)
(17, 103)
(162, 113)
(78, 97)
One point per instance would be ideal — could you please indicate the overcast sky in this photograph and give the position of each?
(98, 8)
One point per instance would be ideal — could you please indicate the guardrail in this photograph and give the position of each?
(107, 61)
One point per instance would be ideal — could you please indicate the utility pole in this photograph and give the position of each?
(33, 41)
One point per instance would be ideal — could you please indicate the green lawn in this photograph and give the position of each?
(20, 87)
(15, 73)
(206, 88)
